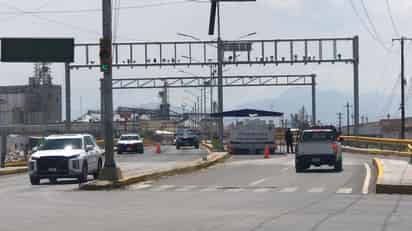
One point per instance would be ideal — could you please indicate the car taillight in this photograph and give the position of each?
(335, 147)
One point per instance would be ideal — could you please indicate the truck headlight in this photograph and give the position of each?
(76, 164)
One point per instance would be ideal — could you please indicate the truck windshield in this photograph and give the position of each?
(318, 136)
(129, 138)
(56, 144)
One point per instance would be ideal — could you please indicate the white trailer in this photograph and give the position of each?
(251, 137)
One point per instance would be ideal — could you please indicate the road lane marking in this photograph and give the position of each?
(285, 169)
(254, 183)
(142, 186)
(163, 188)
(289, 189)
(344, 191)
(366, 182)
(262, 190)
(316, 190)
(234, 190)
(209, 189)
(186, 188)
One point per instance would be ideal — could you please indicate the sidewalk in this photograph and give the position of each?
(395, 177)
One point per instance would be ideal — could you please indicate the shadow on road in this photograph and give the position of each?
(320, 170)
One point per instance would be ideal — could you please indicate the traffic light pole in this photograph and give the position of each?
(109, 171)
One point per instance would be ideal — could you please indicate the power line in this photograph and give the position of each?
(95, 10)
(366, 27)
(365, 9)
(389, 9)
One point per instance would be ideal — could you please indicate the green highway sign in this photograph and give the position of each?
(51, 50)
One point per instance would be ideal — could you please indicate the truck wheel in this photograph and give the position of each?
(177, 147)
(298, 167)
(34, 180)
(53, 180)
(338, 166)
(197, 146)
(99, 167)
(83, 177)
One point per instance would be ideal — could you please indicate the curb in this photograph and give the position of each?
(185, 168)
(13, 170)
(19, 163)
(366, 151)
(388, 188)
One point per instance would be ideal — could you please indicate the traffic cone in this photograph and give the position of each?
(158, 148)
(266, 152)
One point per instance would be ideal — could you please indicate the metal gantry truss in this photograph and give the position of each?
(207, 81)
(201, 53)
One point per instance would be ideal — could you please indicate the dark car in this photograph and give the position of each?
(187, 138)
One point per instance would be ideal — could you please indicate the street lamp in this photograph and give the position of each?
(194, 38)
(246, 35)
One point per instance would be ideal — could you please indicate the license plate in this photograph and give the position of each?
(52, 170)
(315, 159)
(129, 148)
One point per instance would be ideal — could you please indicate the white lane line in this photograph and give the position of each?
(163, 188)
(344, 191)
(142, 186)
(366, 182)
(261, 190)
(209, 189)
(289, 189)
(316, 190)
(186, 188)
(285, 169)
(234, 190)
(254, 183)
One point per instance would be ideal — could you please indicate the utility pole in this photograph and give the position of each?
(402, 40)
(220, 80)
(68, 122)
(347, 119)
(109, 171)
(313, 100)
(340, 122)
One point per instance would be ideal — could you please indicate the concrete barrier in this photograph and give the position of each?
(19, 163)
(12, 170)
(184, 167)
(390, 177)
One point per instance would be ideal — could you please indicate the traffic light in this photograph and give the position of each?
(105, 55)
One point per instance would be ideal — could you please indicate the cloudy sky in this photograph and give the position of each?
(161, 20)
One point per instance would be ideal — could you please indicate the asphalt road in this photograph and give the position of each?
(245, 193)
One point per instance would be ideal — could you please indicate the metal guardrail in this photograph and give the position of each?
(388, 144)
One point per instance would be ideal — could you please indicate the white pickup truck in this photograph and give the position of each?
(318, 146)
(65, 156)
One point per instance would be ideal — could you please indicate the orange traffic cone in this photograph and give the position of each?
(266, 152)
(158, 148)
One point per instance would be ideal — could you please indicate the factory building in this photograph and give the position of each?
(38, 102)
